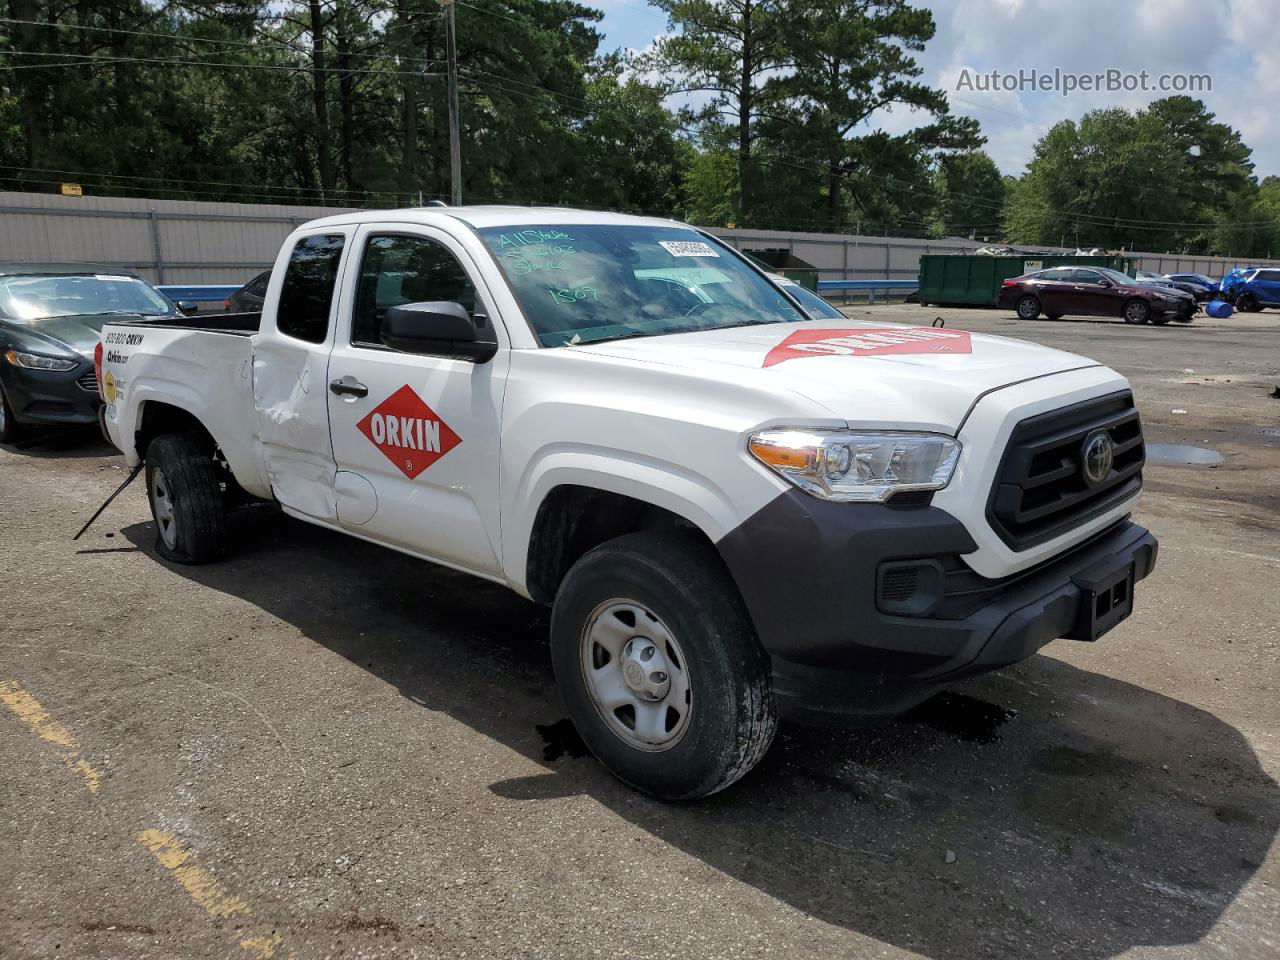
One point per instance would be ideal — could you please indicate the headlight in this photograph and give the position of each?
(34, 361)
(838, 465)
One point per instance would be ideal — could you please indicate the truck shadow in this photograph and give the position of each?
(65, 443)
(1086, 815)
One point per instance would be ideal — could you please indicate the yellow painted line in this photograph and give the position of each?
(28, 709)
(205, 890)
(200, 884)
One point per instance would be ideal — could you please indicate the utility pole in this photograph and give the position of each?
(455, 136)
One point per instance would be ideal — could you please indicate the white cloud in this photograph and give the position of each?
(1232, 40)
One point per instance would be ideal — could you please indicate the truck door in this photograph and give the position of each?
(416, 437)
(290, 359)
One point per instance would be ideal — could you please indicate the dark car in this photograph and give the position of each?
(1205, 288)
(1159, 280)
(249, 298)
(50, 316)
(1093, 292)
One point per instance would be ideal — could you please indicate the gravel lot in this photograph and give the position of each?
(320, 748)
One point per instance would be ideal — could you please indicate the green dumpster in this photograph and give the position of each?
(976, 280)
(783, 261)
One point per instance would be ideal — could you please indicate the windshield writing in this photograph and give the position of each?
(579, 284)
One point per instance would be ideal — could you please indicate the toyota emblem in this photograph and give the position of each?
(1096, 456)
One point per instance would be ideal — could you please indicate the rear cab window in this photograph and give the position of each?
(306, 293)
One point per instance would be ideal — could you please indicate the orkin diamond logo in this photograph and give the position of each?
(408, 432)
(867, 342)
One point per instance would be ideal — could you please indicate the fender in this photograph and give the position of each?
(662, 483)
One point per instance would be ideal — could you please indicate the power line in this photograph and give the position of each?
(255, 45)
(80, 60)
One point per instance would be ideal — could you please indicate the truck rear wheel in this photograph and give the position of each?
(659, 666)
(186, 501)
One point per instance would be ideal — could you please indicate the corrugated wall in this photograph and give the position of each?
(166, 241)
(192, 241)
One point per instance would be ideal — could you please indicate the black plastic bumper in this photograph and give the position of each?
(807, 570)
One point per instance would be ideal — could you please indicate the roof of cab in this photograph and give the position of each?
(10, 268)
(479, 217)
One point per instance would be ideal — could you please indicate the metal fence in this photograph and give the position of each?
(862, 257)
(198, 242)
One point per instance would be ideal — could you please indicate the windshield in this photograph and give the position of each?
(1115, 276)
(41, 297)
(813, 303)
(579, 284)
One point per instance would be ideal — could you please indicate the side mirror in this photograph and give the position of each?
(187, 307)
(1104, 283)
(440, 328)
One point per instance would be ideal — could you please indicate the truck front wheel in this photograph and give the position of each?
(659, 666)
(186, 502)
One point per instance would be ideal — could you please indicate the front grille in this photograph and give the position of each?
(88, 381)
(1040, 491)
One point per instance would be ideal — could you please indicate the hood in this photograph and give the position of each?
(863, 373)
(77, 334)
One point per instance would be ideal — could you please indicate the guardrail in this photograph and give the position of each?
(871, 286)
(199, 292)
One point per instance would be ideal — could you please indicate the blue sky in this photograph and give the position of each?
(1232, 40)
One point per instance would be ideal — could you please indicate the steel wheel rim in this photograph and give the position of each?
(636, 675)
(1026, 306)
(1134, 312)
(162, 508)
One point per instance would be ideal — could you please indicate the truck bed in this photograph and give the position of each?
(235, 324)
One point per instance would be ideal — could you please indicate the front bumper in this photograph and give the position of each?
(810, 578)
(50, 397)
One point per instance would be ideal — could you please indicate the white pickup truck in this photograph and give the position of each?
(734, 506)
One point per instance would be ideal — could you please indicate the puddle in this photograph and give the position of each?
(962, 716)
(560, 739)
(1269, 431)
(1183, 455)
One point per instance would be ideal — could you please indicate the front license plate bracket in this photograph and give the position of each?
(1106, 598)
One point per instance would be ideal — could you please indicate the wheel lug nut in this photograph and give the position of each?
(647, 653)
(658, 676)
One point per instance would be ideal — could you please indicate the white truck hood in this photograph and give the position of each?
(863, 373)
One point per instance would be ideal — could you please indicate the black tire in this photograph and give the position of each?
(1055, 316)
(181, 473)
(1027, 307)
(732, 716)
(10, 428)
(1136, 311)
(1248, 303)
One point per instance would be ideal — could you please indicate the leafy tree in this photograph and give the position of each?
(971, 195)
(727, 49)
(1169, 177)
(849, 60)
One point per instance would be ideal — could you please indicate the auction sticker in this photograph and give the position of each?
(687, 248)
(867, 342)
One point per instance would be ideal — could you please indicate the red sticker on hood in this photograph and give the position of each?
(408, 432)
(868, 342)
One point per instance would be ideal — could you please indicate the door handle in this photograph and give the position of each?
(348, 387)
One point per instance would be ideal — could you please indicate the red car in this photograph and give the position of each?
(1093, 292)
